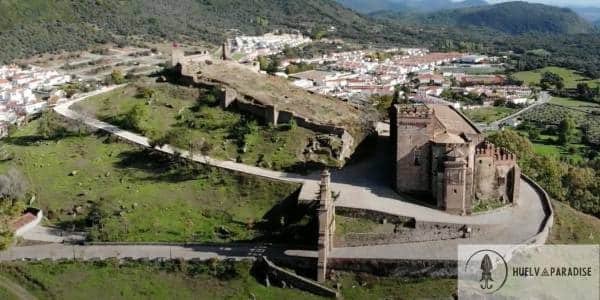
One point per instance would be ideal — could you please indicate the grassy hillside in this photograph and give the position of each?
(573, 227)
(572, 78)
(119, 192)
(180, 116)
(196, 280)
(514, 18)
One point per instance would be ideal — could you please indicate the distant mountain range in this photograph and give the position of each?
(31, 27)
(509, 17)
(378, 7)
(407, 6)
(591, 14)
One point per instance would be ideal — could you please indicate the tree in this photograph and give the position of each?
(273, 66)
(514, 142)
(552, 79)
(548, 172)
(146, 93)
(117, 77)
(263, 62)
(567, 129)
(50, 126)
(137, 118)
(534, 133)
(13, 187)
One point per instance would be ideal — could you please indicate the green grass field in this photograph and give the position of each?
(344, 225)
(547, 145)
(187, 115)
(125, 193)
(574, 103)
(572, 78)
(488, 114)
(79, 280)
(111, 280)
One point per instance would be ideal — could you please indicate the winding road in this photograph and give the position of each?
(543, 98)
(361, 184)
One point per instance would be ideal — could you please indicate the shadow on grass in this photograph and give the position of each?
(34, 140)
(159, 167)
(289, 222)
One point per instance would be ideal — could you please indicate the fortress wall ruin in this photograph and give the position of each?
(229, 97)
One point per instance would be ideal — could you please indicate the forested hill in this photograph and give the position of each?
(34, 26)
(407, 6)
(510, 17)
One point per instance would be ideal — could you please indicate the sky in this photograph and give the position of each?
(595, 3)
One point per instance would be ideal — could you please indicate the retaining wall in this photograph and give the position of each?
(405, 230)
(292, 279)
(542, 235)
(395, 267)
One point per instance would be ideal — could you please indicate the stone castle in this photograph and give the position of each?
(441, 155)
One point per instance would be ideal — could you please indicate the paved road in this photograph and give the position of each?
(543, 98)
(361, 185)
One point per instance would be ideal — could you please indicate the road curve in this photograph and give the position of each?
(360, 185)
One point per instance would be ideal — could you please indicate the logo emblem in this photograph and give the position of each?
(491, 262)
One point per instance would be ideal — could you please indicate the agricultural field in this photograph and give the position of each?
(575, 104)
(198, 280)
(572, 78)
(120, 192)
(488, 114)
(585, 114)
(186, 117)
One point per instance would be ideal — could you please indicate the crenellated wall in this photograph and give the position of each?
(497, 174)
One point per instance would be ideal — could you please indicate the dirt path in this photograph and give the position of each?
(15, 289)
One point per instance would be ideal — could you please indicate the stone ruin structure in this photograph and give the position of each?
(326, 217)
(440, 154)
(339, 127)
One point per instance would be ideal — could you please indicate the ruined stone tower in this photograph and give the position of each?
(177, 55)
(326, 215)
(226, 50)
